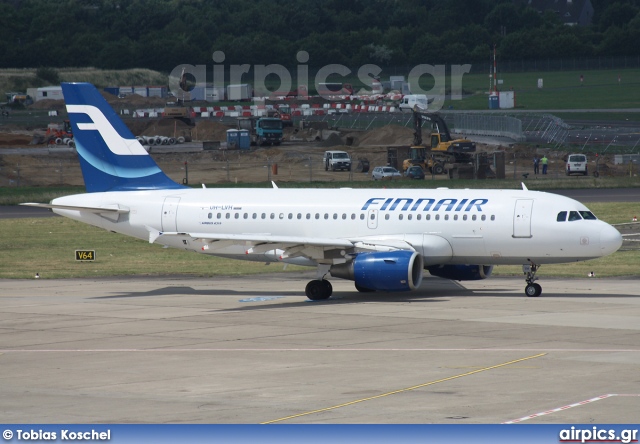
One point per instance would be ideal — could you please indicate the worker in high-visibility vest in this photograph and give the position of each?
(544, 161)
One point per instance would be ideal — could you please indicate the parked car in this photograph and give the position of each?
(414, 172)
(387, 172)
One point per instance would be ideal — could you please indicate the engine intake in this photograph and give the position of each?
(399, 270)
(461, 272)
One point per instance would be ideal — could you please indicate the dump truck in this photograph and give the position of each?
(262, 130)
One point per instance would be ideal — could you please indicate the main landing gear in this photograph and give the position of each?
(318, 289)
(532, 289)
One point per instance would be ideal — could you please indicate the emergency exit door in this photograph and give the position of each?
(522, 218)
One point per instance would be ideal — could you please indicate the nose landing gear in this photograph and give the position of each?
(532, 289)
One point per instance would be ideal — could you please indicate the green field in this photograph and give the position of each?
(561, 90)
(47, 246)
(15, 195)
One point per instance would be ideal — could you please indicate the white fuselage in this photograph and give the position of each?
(446, 226)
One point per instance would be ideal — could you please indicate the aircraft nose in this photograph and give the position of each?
(610, 240)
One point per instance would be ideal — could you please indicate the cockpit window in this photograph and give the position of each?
(562, 216)
(574, 215)
(588, 215)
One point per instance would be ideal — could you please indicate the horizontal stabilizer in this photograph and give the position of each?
(104, 209)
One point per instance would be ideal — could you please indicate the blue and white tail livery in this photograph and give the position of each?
(382, 239)
(110, 156)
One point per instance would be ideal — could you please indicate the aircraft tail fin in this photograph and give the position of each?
(110, 156)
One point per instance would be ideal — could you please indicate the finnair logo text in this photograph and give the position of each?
(406, 204)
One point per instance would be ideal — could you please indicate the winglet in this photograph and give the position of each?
(524, 187)
(274, 184)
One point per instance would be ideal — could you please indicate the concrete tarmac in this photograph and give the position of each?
(252, 349)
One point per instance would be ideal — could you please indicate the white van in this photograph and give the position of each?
(410, 100)
(577, 164)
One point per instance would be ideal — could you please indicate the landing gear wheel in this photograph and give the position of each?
(318, 290)
(533, 290)
(364, 289)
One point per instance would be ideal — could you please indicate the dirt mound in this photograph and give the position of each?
(12, 140)
(208, 130)
(48, 104)
(332, 140)
(388, 135)
(166, 128)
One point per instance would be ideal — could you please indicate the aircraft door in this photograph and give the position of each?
(522, 218)
(372, 219)
(170, 214)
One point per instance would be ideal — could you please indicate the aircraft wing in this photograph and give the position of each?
(312, 247)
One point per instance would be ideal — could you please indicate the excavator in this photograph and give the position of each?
(443, 150)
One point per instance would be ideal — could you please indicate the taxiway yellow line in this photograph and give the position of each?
(382, 395)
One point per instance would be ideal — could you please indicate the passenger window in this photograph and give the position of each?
(437, 217)
(335, 216)
(237, 216)
(246, 215)
(290, 215)
(255, 216)
(228, 216)
(419, 217)
(428, 217)
(326, 216)
(209, 215)
(308, 215)
(281, 216)
(362, 216)
(588, 215)
(562, 216)
(353, 216)
(299, 216)
(473, 217)
(399, 216)
(344, 216)
(455, 217)
(317, 215)
(264, 215)
(373, 216)
(409, 217)
(273, 215)
(386, 216)
(483, 217)
(464, 217)
(219, 215)
(493, 217)
(574, 215)
(446, 217)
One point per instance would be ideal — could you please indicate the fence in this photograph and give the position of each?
(484, 125)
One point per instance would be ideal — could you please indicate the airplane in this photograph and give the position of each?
(382, 239)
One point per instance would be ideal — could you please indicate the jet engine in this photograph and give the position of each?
(461, 272)
(398, 270)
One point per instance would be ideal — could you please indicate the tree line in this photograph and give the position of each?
(161, 34)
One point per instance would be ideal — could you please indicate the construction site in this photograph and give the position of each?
(34, 153)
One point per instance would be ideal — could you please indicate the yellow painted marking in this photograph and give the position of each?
(404, 389)
(515, 366)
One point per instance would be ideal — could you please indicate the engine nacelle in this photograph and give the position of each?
(461, 272)
(398, 270)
